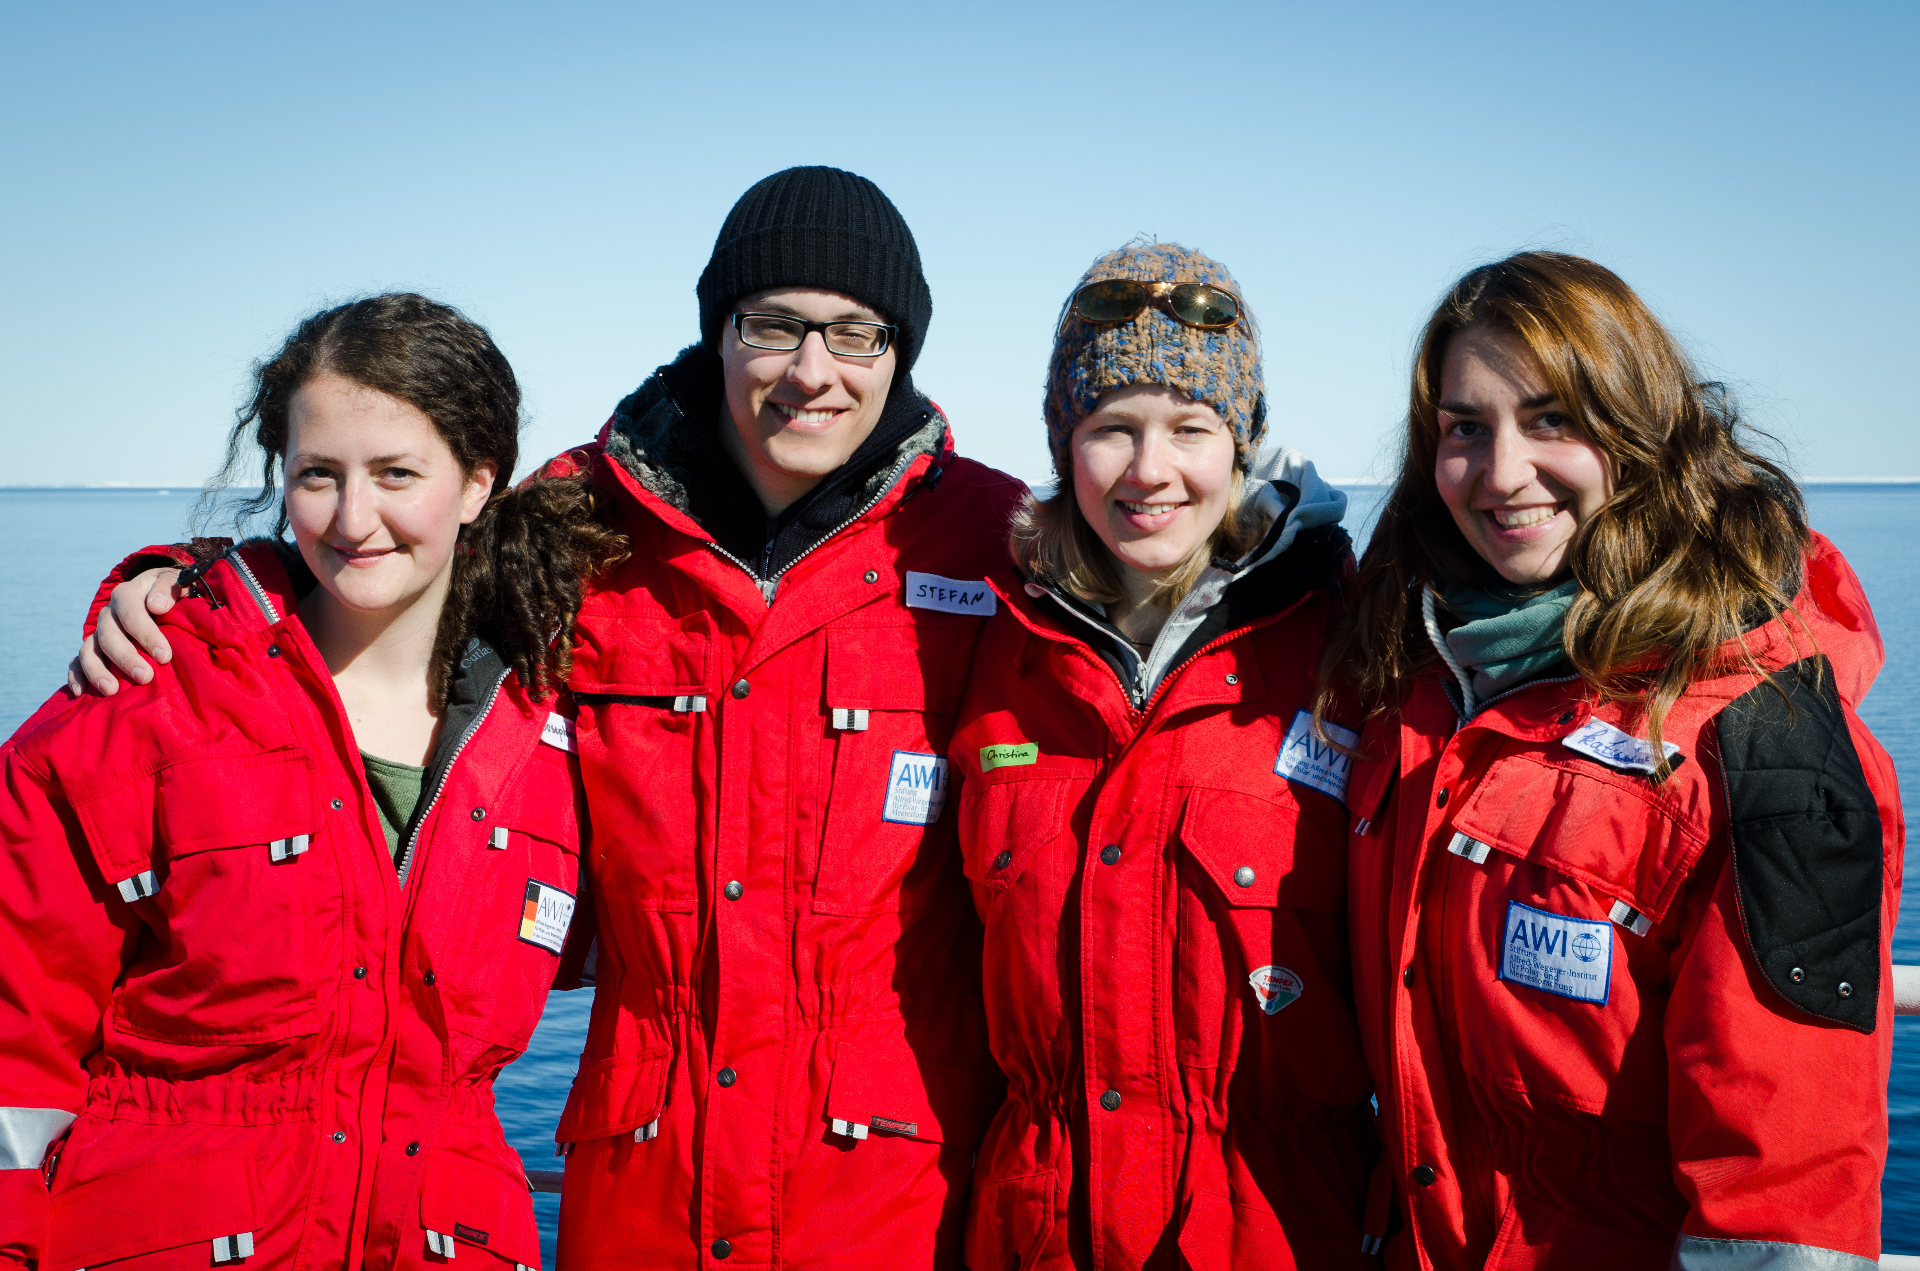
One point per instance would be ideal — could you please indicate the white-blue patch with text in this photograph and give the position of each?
(1614, 747)
(949, 595)
(916, 789)
(1556, 954)
(1315, 763)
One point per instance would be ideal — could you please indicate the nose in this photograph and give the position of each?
(1148, 468)
(813, 368)
(1510, 468)
(355, 515)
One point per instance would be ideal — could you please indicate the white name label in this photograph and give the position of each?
(558, 731)
(1608, 745)
(545, 917)
(1569, 956)
(949, 595)
(916, 789)
(1312, 762)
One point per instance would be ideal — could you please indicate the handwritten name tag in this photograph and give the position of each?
(949, 595)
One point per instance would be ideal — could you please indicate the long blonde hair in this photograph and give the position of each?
(1702, 538)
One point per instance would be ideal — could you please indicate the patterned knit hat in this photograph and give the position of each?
(819, 227)
(1219, 368)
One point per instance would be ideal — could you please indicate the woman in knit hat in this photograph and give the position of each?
(1152, 828)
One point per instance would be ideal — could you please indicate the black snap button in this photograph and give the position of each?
(1441, 801)
(478, 814)
(722, 1247)
(359, 973)
(339, 1136)
(1425, 1174)
(734, 890)
(1232, 678)
(1243, 877)
(1406, 977)
(337, 805)
(273, 650)
(1567, 718)
(872, 576)
(427, 979)
(1110, 854)
(1110, 1100)
(1846, 990)
(1003, 860)
(726, 1077)
(1798, 975)
(413, 1149)
(741, 688)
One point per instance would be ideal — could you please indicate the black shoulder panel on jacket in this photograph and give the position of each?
(1807, 845)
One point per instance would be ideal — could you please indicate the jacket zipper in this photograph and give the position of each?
(253, 585)
(420, 820)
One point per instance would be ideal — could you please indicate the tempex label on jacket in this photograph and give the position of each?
(1569, 956)
(1313, 762)
(1275, 987)
(949, 595)
(546, 915)
(916, 788)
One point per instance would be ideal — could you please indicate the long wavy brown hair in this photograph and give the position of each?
(521, 566)
(1702, 539)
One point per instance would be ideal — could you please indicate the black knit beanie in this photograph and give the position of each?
(819, 227)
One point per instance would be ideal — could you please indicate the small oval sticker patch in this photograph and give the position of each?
(1275, 988)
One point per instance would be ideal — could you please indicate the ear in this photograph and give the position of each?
(479, 488)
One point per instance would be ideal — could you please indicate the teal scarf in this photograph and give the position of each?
(1506, 638)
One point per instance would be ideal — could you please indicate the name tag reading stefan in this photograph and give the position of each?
(1556, 954)
(1315, 763)
(546, 915)
(916, 789)
(949, 595)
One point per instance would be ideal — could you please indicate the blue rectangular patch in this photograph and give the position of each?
(1569, 956)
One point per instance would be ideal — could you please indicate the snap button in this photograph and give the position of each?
(1232, 678)
(1243, 877)
(1567, 718)
(1110, 854)
(359, 973)
(427, 979)
(733, 890)
(1003, 860)
(413, 1149)
(1846, 990)
(337, 805)
(1110, 1100)
(872, 576)
(1425, 1174)
(339, 1136)
(1797, 975)
(478, 814)
(1441, 800)
(722, 1247)
(741, 688)
(726, 1077)
(1406, 977)
(273, 650)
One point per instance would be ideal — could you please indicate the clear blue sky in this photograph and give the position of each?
(180, 183)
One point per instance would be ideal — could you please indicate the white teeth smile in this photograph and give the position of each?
(1150, 509)
(799, 416)
(1525, 517)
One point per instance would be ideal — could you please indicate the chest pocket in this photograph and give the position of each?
(522, 892)
(891, 695)
(641, 686)
(218, 852)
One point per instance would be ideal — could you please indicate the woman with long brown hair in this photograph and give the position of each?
(1624, 861)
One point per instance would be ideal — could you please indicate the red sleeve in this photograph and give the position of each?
(62, 932)
(160, 556)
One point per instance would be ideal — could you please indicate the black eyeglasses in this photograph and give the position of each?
(784, 334)
(1196, 304)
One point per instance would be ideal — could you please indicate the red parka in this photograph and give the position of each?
(230, 1029)
(1161, 872)
(786, 1064)
(1618, 1022)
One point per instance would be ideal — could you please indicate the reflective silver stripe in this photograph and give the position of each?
(1632, 919)
(849, 721)
(498, 839)
(285, 849)
(852, 1129)
(233, 1248)
(690, 703)
(25, 1133)
(1371, 1244)
(648, 1131)
(437, 1243)
(1696, 1254)
(1471, 848)
(139, 887)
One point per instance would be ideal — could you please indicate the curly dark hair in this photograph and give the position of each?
(521, 565)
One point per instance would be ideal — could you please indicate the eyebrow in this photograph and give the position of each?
(306, 456)
(1468, 408)
(788, 311)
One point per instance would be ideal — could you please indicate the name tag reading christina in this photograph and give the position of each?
(949, 595)
(545, 917)
(916, 789)
(1556, 954)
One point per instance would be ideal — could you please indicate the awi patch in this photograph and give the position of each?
(1556, 954)
(950, 595)
(1615, 748)
(545, 917)
(1314, 763)
(1275, 988)
(916, 789)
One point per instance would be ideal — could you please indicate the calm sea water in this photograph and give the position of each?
(62, 542)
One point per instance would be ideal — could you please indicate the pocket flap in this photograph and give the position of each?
(1004, 822)
(642, 656)
(160, 1205)
(229, 801)
(922, 667)
(477, 1204)
(545, 801)
(1250, 847)
(885, 1086)
(614, 1096)
(1607, 832)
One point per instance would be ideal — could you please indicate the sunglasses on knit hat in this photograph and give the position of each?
(1194, 304)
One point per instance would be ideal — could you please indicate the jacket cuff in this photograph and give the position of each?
(1695, 1253)
(160, 556)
